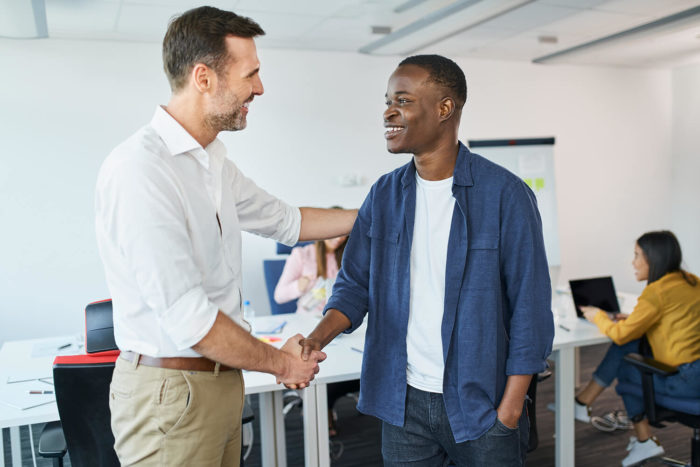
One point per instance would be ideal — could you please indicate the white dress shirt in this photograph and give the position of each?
(169, 265)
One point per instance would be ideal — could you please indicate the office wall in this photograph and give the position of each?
(65, 104)
(685, 188)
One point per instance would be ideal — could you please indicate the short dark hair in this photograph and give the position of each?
(663, 255)
(443, 72)
(198, 36)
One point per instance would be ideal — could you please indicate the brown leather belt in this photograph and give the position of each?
(175, 363)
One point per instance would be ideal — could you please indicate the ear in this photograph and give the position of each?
(447, 108)
(203, 78)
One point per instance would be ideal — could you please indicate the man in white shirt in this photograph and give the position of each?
(170, 208)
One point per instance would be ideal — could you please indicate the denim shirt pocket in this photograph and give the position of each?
(384, 251)
(483, 262)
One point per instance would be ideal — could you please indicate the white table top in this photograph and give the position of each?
(16, 359)
(343, 363)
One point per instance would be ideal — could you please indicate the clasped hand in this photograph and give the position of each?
(299, 371)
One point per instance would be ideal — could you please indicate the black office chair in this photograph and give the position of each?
(81, 384)
(661, 408)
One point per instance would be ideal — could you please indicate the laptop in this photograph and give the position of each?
(597, 291)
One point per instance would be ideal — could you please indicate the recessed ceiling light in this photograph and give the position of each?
(381, 29)
(547, 39)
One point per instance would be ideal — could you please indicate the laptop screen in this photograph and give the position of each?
(597, 291)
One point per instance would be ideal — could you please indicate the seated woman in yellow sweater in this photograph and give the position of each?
(668, 314)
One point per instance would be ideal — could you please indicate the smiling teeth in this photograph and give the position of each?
(394, 128)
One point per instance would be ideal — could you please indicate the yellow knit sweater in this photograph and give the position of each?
(668, 312)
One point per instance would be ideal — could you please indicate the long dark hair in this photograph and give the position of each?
(663, 254)
(321, 254)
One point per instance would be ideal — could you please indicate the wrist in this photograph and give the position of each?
(284, 365)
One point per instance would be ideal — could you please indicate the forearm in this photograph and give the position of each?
(285, 292)
(511, 406)
(319, 224)
(229, 344)
(332, 324)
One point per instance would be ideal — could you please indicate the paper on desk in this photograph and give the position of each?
(271, 328)
(17, 395)
(19, 376)
(56, 347)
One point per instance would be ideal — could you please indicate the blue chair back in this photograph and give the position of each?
(272, 268)
(283, 249)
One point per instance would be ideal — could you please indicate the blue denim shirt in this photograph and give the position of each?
(497, 317)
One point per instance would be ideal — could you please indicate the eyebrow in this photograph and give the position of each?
(253, 73)
(397, 93)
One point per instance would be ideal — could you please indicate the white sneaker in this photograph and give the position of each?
(582, 412)
(639, 452)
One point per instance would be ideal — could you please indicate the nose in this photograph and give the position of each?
(258, 89)
(389, 112)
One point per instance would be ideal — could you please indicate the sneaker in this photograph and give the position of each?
(615, 420)
(582, 412)
(639, 452)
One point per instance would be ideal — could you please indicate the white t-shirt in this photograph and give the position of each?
(431, 232)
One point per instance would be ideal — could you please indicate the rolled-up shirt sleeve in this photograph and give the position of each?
(525, 274)
(142, 214)
(263, 214)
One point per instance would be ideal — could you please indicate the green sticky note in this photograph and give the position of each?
(528, 181)
(539, 183)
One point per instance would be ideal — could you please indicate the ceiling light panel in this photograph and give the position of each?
(662, 41)
(650, 9)
(441, 24)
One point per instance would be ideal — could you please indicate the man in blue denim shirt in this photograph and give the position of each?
(447, 261)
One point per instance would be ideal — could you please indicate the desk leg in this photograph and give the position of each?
(16, 446)
(564, 401)
(273, 445)
(322, 422)
(577, 367)
(310, 427)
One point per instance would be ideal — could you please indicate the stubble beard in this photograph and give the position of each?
(229, 120)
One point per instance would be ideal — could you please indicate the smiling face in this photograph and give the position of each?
(412, 118)
(235, 87)
(640, 264)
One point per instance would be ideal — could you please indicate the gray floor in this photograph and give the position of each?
(360, 435)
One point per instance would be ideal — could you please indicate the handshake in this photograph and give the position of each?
(301, 358)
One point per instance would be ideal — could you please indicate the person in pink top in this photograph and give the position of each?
(309, 274)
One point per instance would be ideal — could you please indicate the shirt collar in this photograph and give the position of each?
(179, 141)
(462, 173)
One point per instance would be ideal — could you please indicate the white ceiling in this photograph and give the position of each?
(345, 25)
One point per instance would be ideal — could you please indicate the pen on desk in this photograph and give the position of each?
(356, 349)
(36, 391)
(280, 327)
(65, 346)
(564, 328)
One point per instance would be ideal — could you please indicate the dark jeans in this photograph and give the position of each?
(426, 438)
(685, 383)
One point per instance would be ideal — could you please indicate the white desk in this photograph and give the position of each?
(16, 358)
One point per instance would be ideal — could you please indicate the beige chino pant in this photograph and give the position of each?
(163, 417)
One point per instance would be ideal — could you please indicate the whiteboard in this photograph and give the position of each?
(533, 161)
